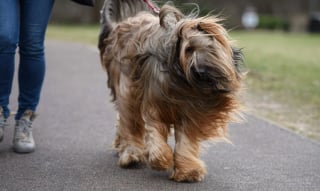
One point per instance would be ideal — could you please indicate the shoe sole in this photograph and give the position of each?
(23, 151)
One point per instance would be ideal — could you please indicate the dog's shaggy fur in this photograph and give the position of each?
(168, 71)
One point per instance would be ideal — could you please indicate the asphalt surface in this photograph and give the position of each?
(75, 129)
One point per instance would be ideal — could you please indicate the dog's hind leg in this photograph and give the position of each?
(129, 143)
(187, 165)
(129, 140)
(158, 153)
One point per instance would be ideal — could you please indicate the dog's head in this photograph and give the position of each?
(202, 52)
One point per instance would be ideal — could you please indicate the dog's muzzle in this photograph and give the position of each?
(201, 73)
(207, 79)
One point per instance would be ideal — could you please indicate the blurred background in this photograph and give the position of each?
(287, 15)
(281, 44)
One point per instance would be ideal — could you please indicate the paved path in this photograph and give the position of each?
(75, 129)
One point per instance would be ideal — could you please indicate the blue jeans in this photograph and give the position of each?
(23, 23)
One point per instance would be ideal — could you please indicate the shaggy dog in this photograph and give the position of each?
(168, 70)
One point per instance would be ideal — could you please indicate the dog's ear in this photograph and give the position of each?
(169, 16)
(238, 61)
(212, 27)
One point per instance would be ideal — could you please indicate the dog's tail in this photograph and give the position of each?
(115, 11)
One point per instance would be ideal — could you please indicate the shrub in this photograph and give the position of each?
(270, 22)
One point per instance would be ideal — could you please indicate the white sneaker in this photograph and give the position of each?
(23, 141)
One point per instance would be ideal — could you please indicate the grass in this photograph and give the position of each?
(283, 83)
(75, 33)
(284, 79)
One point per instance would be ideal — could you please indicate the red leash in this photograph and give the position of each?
(151, 6)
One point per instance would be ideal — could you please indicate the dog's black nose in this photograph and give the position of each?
(201, 73)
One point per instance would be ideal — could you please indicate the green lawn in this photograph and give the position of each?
(284, 79)
(75, 33)
(283, 83)
(283, 63)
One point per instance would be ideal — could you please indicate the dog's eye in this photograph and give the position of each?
(189, 49)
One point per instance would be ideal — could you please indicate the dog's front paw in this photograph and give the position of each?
(160, 158)
(188, 175)
(188, 170)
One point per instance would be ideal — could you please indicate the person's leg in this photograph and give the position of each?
(34, 18)
(9, 30)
